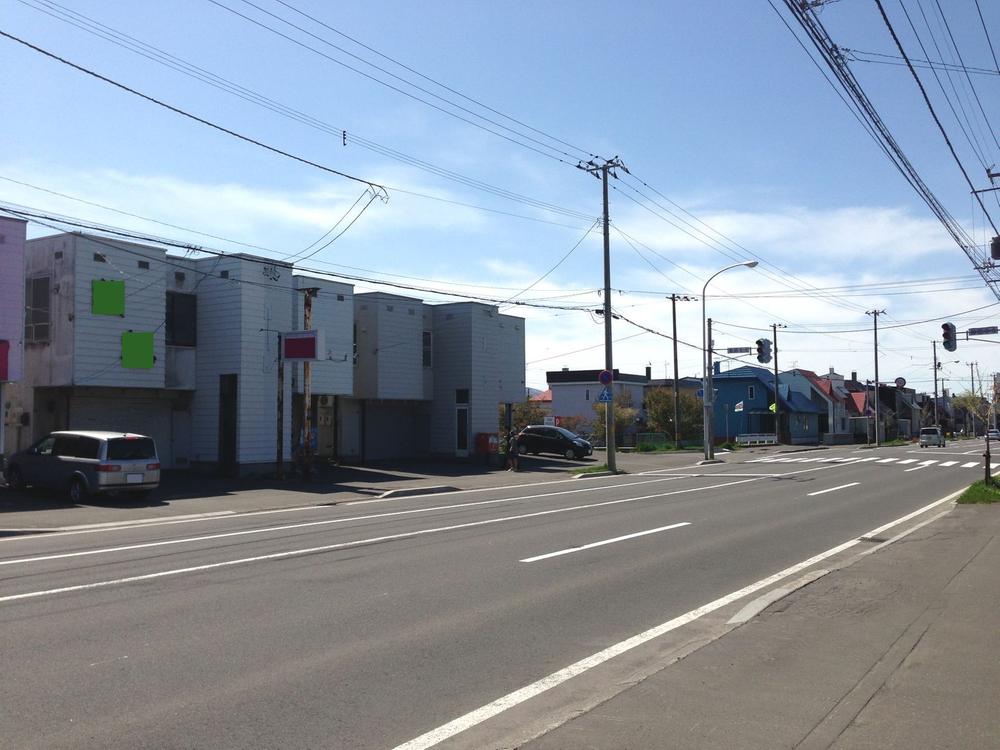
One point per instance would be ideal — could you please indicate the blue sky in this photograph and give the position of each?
(714, 106)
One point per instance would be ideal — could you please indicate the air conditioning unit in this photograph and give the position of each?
(325, 401)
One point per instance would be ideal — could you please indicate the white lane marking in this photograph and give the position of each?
(481, 714)
(886, 460)
(833, 489)
(226, 514)
(570, 550)
(994, 466)
(870, 458)
(948, 463)
(922, 465)
(352, 543)
(970, 464)
(309, 524)
(478, 716)
(908, 461)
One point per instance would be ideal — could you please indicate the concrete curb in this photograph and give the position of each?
(588, 474)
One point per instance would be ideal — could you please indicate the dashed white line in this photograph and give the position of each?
(570, 550)
(970, 464)
(833, 489)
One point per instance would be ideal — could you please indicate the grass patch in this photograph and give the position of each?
(980, 492)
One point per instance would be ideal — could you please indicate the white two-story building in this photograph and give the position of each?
(12, 290)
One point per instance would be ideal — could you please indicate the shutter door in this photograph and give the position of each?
(143, 416)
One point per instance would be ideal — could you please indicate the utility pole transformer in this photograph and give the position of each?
(601, 171)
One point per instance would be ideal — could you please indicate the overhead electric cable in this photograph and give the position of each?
(183, 113)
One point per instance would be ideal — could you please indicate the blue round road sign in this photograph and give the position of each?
(604, 377)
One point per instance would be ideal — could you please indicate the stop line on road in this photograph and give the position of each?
(912, 464)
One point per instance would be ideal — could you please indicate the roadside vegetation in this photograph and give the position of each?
(593, 469)
(980, 492)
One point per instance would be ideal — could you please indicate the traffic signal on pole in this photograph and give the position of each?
(950, 336)
(763, 350)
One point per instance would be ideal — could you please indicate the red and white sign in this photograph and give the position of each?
(4, 361)
(302, 346)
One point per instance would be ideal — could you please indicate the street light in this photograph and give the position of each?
(706, 361)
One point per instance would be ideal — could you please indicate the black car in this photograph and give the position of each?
(544, 439)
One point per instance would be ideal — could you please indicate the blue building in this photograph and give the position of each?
(743, 404)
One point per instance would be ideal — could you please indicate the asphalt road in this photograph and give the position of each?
(370, 624)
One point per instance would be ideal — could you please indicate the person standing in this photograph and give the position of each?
(512, 451)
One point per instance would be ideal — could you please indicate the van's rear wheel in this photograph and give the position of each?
(77, 490)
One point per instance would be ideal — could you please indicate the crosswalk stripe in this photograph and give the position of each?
(909, 461)
(948, 463)
(970, 464)
(870, 458)
(928, 463)
(886, 460)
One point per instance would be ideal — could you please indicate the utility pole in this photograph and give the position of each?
(934, 343)
(307, 455)
(972, 386)
(875, 314)
(677, 397)
(601, 171)
(777, 399)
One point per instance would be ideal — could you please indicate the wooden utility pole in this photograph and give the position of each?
(777, 397)
(878, 423)
(934, 344)
(601, 171)
(279, 461)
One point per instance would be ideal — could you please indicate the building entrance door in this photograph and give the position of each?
(462, 431)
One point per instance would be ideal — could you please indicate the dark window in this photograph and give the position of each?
(224, 274)
(179, 277)
(144, 264)
(462, 396)
(44, 446)
(65, 445)
(36, 313)
(87, 447)
(182, 319)
(131, 449)
(428, 349)
(99, 258)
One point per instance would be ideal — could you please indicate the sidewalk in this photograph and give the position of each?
(899, 650)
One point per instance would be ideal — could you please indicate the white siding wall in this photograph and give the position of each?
(366, 322)
(333, 314)
(262, 307)
(98, 340)
(12, 233)
(452, 370)
(219, 339)
(571, 399)
(52, 363)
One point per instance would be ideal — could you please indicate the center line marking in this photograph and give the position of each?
(570, 550)
(831, 489)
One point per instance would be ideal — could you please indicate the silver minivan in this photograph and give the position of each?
(87, 463)
(931, 436)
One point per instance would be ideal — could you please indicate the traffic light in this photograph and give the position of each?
(995, 248)
(950, 337)
(763, 350)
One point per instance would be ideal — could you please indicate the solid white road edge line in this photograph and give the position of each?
(570, 550)
(479, 715)
(305, 524)
(353, 543)
(832, 489)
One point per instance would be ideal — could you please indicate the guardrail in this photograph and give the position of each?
(757, 438)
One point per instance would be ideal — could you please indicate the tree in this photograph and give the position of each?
(524, 413)
(660, 413)
(573, 423)
(624, 413)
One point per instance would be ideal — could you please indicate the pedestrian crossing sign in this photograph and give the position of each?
(605, 396)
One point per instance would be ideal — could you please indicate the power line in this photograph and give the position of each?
(435, 82)
(987, 33)
(857, 55)
(161, 57)
(183, 113)
(551, 153)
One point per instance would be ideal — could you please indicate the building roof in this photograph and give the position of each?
(802, 404)
(688, 382)
(856, 403)
(823, 386)
(590, 376)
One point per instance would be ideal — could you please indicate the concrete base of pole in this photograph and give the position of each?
(710, 461)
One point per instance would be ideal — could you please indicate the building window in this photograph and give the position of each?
(179, 277)
(587, 394)
(354, 351)
(428, 349)
(462, 396)
(223, 274)
(144, 265)
(182, 319)
(751, 392)
(99, 258)
(36, 313)
(390, 308)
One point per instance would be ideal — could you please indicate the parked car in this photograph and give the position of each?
(931, 436)
(87, 463)
(544, 439)
(993, 434)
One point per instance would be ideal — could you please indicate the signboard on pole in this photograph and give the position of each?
(604, 377)
(987, 331)
(302, 346)
(605, 396)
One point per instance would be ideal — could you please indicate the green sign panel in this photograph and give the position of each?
(107, 297)
(137, 350)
